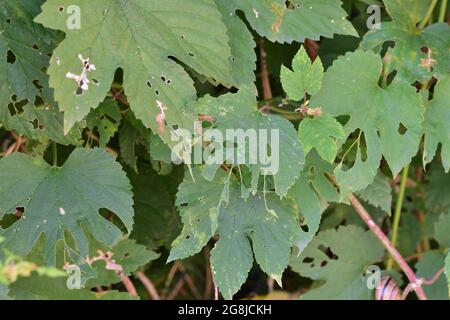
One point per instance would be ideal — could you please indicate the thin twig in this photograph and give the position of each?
(267, 90)
(189, 281)
(170, 276)
(176, 289)
(435, 277)
(209, 286)
(129, 286)
(148, 284)
(416, 284)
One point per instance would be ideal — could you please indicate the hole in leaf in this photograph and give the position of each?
(37, 85)
(402, 129)
(149, 84)
(327, 250)
(308, 260)
(289, 5)
(305, 227)
(61, 9)
(10, 57)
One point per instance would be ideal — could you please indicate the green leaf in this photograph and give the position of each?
(56, 200)
(340, 259)
(24, 47)
(441, 229)
(322, 133)
(350, 88)
(306, 77)
(199, 202)
(379, 193)
(191, 31)
(312, 193)
(237, 113)
(272, 233)
(243, 56)
(215, 207)
(127, 254)
(438, 190)
(39, 287)
(106, 118)
(41, 123)
(436, 128)
(282, 21)
(407, 12)
(427, 267)
(407, 56)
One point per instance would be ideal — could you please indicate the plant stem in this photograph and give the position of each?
(416, 283)
(398, 213)
(428, 15)
(129, 286)
(55, 154)
(148, 284)
(442, 11)
(267, 90)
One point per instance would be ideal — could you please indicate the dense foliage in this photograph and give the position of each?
(93, 184)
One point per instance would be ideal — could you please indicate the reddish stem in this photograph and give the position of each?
(129, 286)
(148, 284)
(416, 283)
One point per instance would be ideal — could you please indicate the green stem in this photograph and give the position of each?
(398, 213)
(443, 11)
(55, 154)
(428, 15)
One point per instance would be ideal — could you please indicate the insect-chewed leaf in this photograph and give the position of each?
(390, 119)
(56, 200)
(216, 207)
(252, 130)
(24, 50)
(243, 57)
(408, 56)
(295, 20)
(436, 126)
(304, 77)
(124, 258)
(150, 31)
(272, 234)
(312, 192)
(199, 203)
(340, 258)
